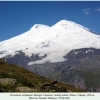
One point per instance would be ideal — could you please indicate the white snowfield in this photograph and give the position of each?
(55, 41)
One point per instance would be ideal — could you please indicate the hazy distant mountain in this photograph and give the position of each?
(67, 52)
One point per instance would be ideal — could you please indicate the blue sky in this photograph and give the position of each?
(18, 17)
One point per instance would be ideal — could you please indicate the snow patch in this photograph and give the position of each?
(76, 53)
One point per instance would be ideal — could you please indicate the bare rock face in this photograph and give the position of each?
(7, 84)
(98, 89)
(7, 81)
(25, 89)
(78, 82)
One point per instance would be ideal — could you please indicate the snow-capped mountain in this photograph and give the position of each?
(66, 52)
(54, 42)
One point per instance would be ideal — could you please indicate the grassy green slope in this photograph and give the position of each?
(30, 80)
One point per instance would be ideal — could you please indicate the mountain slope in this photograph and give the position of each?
(26, 81)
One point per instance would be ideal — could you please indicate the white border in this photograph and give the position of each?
(49, 96)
